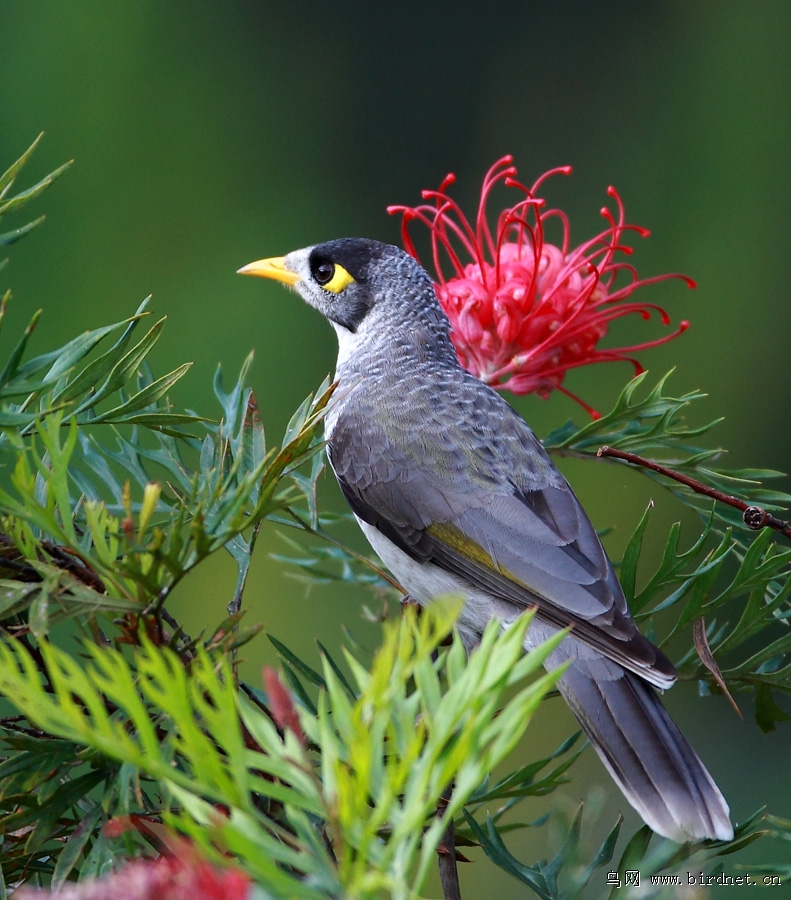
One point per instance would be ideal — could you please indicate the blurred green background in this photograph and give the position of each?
(208, 134)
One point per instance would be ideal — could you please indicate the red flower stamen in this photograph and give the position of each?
(524, 311)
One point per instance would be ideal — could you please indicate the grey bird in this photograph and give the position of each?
(457, 495)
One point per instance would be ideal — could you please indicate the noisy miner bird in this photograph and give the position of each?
(457, 496)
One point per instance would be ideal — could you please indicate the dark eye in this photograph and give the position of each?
(323, 272)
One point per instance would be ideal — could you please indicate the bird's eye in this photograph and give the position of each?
(331, 276)
(323, 272)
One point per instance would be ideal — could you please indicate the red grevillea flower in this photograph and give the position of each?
(524, 311)
(184, 876)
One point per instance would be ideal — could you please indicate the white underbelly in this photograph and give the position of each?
(425, 582)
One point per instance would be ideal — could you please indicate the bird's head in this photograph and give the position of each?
(362, 287)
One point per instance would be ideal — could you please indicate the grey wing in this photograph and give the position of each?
(523, 537)
(520, 535)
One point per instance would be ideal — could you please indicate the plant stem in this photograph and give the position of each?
(446, 852)
(755, 517)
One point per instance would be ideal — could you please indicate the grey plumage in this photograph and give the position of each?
(456, 494)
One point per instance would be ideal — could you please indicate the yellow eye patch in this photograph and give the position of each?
(332, 277)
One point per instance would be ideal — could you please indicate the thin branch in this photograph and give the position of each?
(446, 852)
(755, 517)
(186, 640)
(65, 558)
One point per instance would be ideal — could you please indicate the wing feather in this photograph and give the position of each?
(521, 535)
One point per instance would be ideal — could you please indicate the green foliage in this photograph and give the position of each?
(93, 524)
(655, 427)
(356, 820)
(87, 531)
(542, 877)
(735, 580)
(345, 784)
(17, 201)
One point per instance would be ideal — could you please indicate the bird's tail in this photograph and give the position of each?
(648, 757)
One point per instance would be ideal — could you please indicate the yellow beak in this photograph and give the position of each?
(270, 268)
